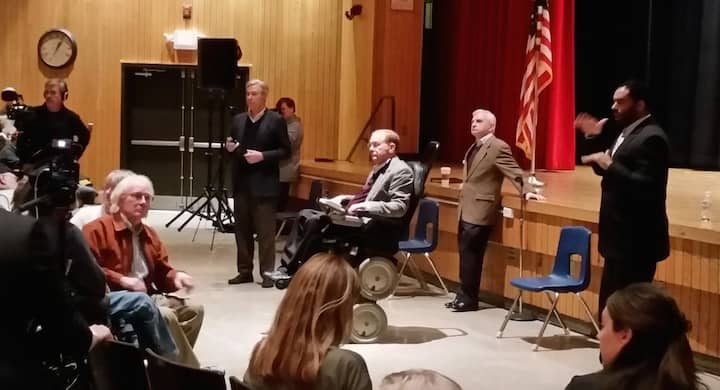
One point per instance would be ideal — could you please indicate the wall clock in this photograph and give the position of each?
(57, 48)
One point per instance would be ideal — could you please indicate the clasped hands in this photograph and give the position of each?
(181, 280)
(251, 156)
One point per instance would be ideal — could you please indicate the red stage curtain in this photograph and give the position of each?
(479, 56)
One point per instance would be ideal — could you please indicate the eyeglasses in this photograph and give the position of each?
(140, 195)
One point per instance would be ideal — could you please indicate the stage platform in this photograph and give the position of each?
(691, 273)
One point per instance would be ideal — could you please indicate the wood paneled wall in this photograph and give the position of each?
(294, 45)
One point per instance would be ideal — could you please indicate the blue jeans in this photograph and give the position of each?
(139, 310)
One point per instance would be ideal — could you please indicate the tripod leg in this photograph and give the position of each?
(195, 213)
(196, 229)
(188, 208)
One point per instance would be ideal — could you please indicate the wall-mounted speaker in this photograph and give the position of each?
(217, 62)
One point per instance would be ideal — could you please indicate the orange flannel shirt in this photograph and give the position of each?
(110, 240)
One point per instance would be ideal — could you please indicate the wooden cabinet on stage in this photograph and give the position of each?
(171, 129)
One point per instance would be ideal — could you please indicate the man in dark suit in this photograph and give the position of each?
(633, 226)
(259, 140)
(487, 163)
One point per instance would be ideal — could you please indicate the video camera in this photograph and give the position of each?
(57, 180)
(15, 107)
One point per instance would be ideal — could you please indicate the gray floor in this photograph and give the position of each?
(422, 334)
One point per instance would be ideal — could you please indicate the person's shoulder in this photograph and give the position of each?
(586, 382)
(498, 143)
(340, 358)
(398, 165)
(98, 224)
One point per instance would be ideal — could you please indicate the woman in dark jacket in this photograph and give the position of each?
(643, 344)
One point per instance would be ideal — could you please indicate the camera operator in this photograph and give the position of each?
(44, 338)
(43, 124)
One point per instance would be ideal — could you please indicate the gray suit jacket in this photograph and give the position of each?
(480, 196)
(391, 191)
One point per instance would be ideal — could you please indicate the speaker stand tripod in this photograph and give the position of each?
(215, 206)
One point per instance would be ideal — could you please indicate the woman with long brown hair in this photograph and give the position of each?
(643, 344)
(301, 350)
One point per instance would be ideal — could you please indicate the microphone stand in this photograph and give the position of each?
(521, 314)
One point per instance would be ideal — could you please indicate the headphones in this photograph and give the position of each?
(64, 89)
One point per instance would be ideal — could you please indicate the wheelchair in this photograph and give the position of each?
(376, 267)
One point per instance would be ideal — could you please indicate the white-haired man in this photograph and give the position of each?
(134, 259)
(488, 161)
(87, 214)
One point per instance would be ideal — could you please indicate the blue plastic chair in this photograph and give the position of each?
(428, 214)
(574, 240)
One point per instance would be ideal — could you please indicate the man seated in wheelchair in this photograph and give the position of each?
(369, 223)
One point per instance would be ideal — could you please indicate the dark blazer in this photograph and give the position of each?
(480, 194)
(261, 179)
(633, 218)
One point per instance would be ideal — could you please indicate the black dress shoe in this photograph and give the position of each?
(267, 283)
(241, 278)
(462, 306)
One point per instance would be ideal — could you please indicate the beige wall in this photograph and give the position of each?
(334, 68)
(293, 44)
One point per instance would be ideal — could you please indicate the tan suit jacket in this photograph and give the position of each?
(480, 195)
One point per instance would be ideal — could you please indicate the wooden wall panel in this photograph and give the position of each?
(294, 45)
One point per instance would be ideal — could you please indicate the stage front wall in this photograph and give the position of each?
(691, 273)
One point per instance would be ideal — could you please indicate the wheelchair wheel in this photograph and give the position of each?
(282, 284)
(369, 322)
(378, 277)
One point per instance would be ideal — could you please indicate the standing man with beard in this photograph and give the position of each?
(258, 141)
(633, 226)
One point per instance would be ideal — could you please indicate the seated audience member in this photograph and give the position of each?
(289, 168)
(41, 320)
(134, 259)
(302, 349)
(418, 380)
(90, 213)
(84, 196)
(643, 344)
(384, 198)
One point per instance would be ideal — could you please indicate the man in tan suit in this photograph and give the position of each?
(487, 162)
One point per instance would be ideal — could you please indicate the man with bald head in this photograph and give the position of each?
(488, 161)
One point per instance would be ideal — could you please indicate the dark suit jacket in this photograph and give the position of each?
(480, 195)
(32, 288)
(633, 219)
(261, 179)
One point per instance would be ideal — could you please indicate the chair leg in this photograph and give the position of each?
(507, 316)
(557, 315)
(282, 226)
(547, 319)
(437, 274)
(404, 261)
(589, 313)
(416, 272)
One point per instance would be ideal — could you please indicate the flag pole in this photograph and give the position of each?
(533, 180)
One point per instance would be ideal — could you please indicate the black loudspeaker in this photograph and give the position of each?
(217, 62)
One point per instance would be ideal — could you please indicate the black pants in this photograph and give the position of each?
(472, 241)
(254, 215)
(283, 196)
(621, 272)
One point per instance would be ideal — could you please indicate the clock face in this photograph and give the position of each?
(57, 48)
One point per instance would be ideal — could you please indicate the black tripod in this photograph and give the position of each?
(218, 212)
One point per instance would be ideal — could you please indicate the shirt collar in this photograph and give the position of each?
(484, 139)
(257, 117)
(633, 125)
(120, 223)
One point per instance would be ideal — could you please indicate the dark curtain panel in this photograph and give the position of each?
(679, 58)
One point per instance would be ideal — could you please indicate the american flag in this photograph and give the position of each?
(538, 75)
